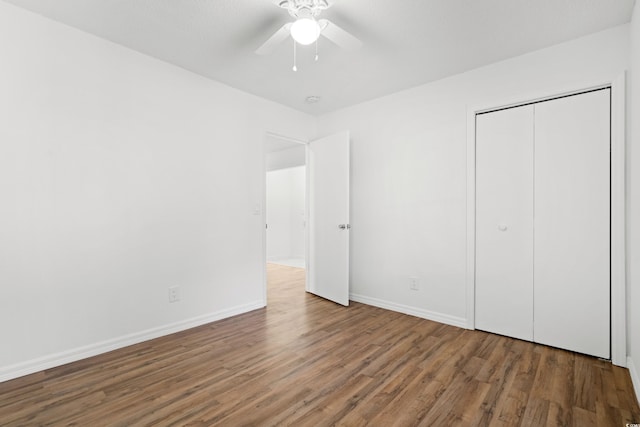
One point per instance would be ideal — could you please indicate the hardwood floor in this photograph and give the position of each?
(304, 361)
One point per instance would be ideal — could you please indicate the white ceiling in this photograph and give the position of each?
(406, 42)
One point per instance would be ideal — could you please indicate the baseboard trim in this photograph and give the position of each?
(635, 379)
(413, 311)
(47, 362)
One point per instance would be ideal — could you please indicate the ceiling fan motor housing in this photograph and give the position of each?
(306, 27)
(304, 8)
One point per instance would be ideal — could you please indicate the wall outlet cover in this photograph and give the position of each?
(174, 294)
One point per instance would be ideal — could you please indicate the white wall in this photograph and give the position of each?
(408, 194)
(116, 172)
(278, 214)
(285, 213)
(298, 217)
(120, 176)
(633, 203)
(288, 158)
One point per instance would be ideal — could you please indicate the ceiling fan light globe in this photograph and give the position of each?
(305, 31)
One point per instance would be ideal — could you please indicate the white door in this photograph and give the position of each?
(504, 222)
(572, 223)
(328, 198)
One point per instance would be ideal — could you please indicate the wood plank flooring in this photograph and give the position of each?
(304, 361)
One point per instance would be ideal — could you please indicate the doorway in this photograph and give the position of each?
(326, 220)
(285, 206)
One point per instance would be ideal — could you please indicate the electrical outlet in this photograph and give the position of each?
(414, 283)
(174, 294)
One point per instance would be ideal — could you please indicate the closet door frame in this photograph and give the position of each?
(618, 253)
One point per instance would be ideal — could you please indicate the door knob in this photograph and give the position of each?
(502, 227)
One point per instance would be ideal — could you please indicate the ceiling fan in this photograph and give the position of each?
(306, 29)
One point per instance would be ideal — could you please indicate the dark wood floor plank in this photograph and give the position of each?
(304, 361)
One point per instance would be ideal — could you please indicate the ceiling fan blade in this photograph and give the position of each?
(337, 35)
(273, 42)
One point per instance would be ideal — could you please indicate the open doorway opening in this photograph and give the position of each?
(326, 219)
(286, 221)
(285, 208)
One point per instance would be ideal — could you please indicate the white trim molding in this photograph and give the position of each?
(412, 311)
(618, 257)
(618, 224)
(635, 378)
(36, 365)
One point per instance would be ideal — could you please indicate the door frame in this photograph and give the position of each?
(263, 227)
(618, 252)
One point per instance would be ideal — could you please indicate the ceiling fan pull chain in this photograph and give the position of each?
(316, 50)
(294, 56)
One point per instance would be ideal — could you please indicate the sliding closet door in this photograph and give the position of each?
(571, 255)
(504, 222)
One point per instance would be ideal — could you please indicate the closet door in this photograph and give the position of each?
(572, 205)
(504, 222)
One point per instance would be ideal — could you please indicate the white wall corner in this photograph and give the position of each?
(635, 379)
(460, 322)
(47, 362)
